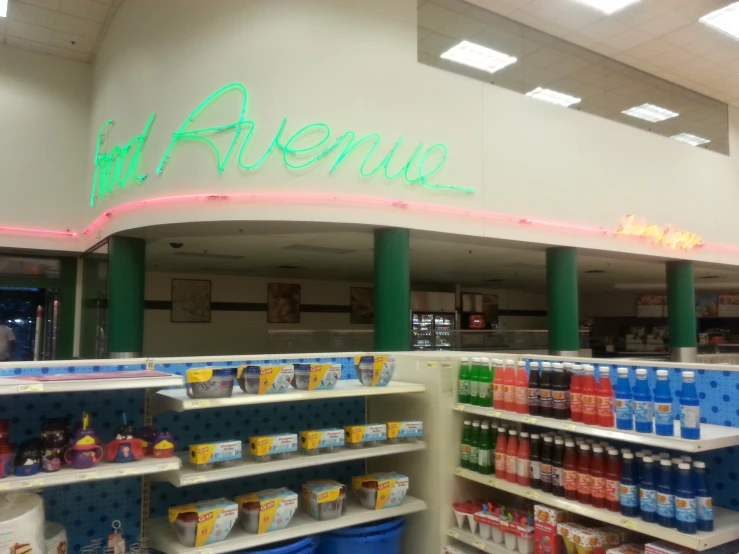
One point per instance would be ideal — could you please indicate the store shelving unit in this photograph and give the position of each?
(712, 436)
(162, 536)
(474, 540)
(187, 475)
(176, 400)
(66, 476)
(119, 380)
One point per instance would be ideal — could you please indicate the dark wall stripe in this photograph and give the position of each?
(251, 307)
(538, 313)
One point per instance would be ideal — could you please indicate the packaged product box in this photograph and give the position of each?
(611, 536)
(375, 371)
(664, 547)
(380, 490)
(627, 549)
(399, 430)
(321, 439)
(567, 531)
(316, 376)
(271, 445)
(323, 499)
(205, 522)
(587, 541)
(546, 520)
(267, 511)
(357, 435)
(265, 379)
(212, 452)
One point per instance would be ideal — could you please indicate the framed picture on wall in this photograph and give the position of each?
(283, 303)
(190, 301)
(361, 305)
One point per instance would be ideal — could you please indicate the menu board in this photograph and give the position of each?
(706, 305)
(728, 305)
(651, 305)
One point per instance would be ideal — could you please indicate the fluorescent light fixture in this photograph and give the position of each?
(692, 140)
(553, 97)
(3, 8)
(608, 6)
(479, 57)
(725, 20)
(650, 112)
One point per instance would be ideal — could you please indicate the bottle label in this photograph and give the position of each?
(465, 452)
(560, 399)
(535, 470)
(546, 472)
(648, 500)
(509, 394)
(690, 416)
(663, 413)
(624, 408)
(522, 396)
(643, 411)
(534, 397)
(464, 388)
(598, 488)
(665, 505)
(497, 393)
(558, 476)
(604, 405)
(483, 391)
(510, 465)
(575, 401)
(685, 509)
(588, 404)
(705, 508)
(570, 480)
(611, 490)
(584, 482)
(629, 495)
(522, 467)
(500, 463)
(484, 458)
(473, 389)
(474, 456)
(546, 397)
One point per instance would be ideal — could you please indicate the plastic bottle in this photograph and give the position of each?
(558, 471)
(570, 470)
(521, 392)
(664, 420)
(523, 459)
(648, 491)
(475, 381)
(588, 395)
(534, 400)
(598, 477)
(665, 495)
(638, 463)
(510, 457)
(546, 464)
(463, 390)
(535, 462)
(501, 446)
(623, 401)
(642, 403)
(560, 393)
(475, 446)
(686, 519)
(629, 488)
(686, 459)
(568, 369)
(613, 481)
(703, 500)
(576, 393)
(584, 478)
(466, 447)
(486, 454)
(676, 461)
(604, 398)
(690, 410)
(545, 389)
(485, 378)
(498, 385)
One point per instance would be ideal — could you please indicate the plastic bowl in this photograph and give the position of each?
(252, 375)
(186, 528)
(220, 385)
(250, 517)
(366, 371)
(303, 377)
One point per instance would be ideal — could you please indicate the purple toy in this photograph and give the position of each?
(84, 447)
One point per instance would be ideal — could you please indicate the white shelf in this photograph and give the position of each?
(176, 400)
(472, 539)
(65, 476)
(162, 536)
(188, 475)
(726, 522)
(81, 382)
(712, 436)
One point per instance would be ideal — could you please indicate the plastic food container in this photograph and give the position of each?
(250, 517)
(274, 379)
(211, 382)
(485, 530)
(186, 527)
(324, 499)
(321, 441)
(375, 371)
(332, 510)
(497, 535)
(526, 545)
(316, 376)
(367, 494)
(511, 541)
(267, 511)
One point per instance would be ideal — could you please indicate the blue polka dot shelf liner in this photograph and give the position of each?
(87, 509)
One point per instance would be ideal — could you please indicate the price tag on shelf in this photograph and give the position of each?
(492, 483)
(168, 467)
(459, 407)
(5, 487)
(628, 523)
(198, 403)
(453, 534)
(479, 544)
(31, 484)
(87, 477)
(459, 471)
(529, 420)
(122, 472)
(532, 495)
(31, 388)
(494, 414)
(569, 427)
(193, 480)
(203, 552)
(149, 365)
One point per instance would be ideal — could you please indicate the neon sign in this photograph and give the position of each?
(666, 236)
(305, 147)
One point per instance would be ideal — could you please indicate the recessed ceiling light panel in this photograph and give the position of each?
(692, 140)
(725, 20)
(553, 97)
(3, 8)
(479, 57)
(608, 6)
(650, 112)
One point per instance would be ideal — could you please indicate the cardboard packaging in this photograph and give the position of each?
(546, 520)
(268, 510)
(205, 522)
(380, 490)
(213, 452)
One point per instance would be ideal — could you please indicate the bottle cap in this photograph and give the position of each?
(557, 366)
(568, 365)
(624, 450)
(604, 370)
(569, 443)
(688, 375)
(498, 362)
(467, 422)
(628, 456)
(547, 438)
(534, 365)
(612, 452)
(587, 368)
(623, 371)
(665, 455)
(647, 459)
(641, 372)
(485, 360)
(684, 467)
(535, 436)
(677, 461)
(576, 368)
(501, 429)
(509, 362)
(699, 465)
(465, 359)
(598, 449)
(546, 365)
(559, 440)
(686, 459)
(485, 425)
(647, 452)
(661, 374)
(512, 433)
(475, 360)
(521, 364)
(665, 463)
(639, 454)
(585, 447)
(476, 424)
(524, 435)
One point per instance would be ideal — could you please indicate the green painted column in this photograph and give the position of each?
(681, 311)
(562, 302)
(126, 268)
(67, 296)
(392, 290)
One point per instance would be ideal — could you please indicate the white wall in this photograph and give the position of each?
(352, 64)
(44, 131)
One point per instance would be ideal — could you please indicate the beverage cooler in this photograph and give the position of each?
(433, 320)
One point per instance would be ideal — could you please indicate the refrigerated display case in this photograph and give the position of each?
(433, 331)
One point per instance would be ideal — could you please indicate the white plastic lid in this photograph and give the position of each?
(584, 447)
(465, 359)
(534, 365)
(557, 365)
(688, 375)
(628, 456)
(569, 442)
(559, 440)
(476, 424)
(699, 465)
(661, 374)
(475, 360)
(546, 365)
(639, 454)
(521, 364)
(588, 368)
(623, 370)
(524, 435)
(510, 362)
(547, 438)
(485, 360)
(535, 436)
(604, 370)
(647, 452)
(647, 459)
(641, 373)
(686, 459)
(498, 361)
(612, 452)
(597, 449)
(684, 466)
(576, 368)
(665, 455)
(501, 429)
(626, 450)
(664, 462)
(485, 425)
(467, 422)
(568, 365)
(677, 461)
(513, 433)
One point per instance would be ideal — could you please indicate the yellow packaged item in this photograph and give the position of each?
(267, 511)
(380, 490)
(358, 436)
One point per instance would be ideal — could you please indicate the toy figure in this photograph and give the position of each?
(28, 458)
(125, 448)
(147, 435)
(6, 459)
(164, 444)
(84, 447)
(55, 438)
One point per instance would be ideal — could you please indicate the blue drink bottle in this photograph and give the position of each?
(664, 419)
(703, 500)
(690, 409)
(648, 491)
(629, 487)
(665, 495)
(642, 403)
(624, 401)
(685, 505)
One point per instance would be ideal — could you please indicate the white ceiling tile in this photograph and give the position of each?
(77, 26)
(26, 13)
(640, 13)
(430, 16)
(437, 44)
(652, 48)
(629, 39)
(578, 18)
(22, 30)
(462, 27)
(665, 23)
(484, 13)
(46, 4)
(2, 28)
(47, 49)
(549, 9)
(604, 29)
(72, 42)
(86, 9)
(423, 33)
